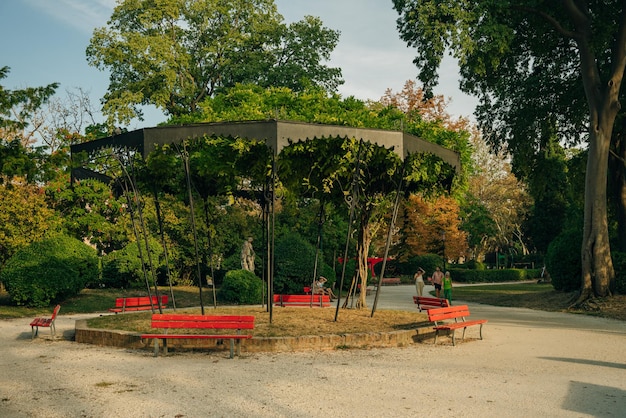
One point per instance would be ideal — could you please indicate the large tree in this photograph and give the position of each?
(528, 61)
(174, 53)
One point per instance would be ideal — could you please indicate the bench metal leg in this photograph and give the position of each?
(34, 330)
(232, 347)
(156, 347)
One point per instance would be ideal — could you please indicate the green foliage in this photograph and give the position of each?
(175, 55)
(563, 260)
(428, 262)
(89, 210)
(475, 265)
(24, 217)
(125, 269)
(295, 264)
(490, 276)
(547, 179)
(241, 287)
(49, 271)
(17, 107)
(477, 221)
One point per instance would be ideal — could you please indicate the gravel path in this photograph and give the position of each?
(530, 364)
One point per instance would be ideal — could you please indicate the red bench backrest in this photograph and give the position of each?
(426, 301)
(139, 301)
(301, 298)
(55, 312)
(202, 321)
(452, 312)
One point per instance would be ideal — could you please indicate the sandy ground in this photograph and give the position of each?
(530, 364)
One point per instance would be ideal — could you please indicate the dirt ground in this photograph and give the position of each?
(530, 363)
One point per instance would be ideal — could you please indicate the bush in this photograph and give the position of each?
(241, 287)
(123, 268)
(475, 265)
(49, 271)
(427, 261)
(563, 260)
(464, 275)
(295, 264)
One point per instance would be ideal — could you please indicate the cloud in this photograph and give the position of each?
(82, 15)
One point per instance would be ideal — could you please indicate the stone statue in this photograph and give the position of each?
(247, 255)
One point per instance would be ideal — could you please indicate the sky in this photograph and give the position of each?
(44, 41)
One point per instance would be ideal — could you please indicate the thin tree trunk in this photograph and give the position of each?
(362, 252)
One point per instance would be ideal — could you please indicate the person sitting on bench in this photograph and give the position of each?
(321, 290)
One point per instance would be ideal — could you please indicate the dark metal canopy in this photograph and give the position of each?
(277, 135)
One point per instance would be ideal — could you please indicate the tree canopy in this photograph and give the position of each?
(175, 53)
(535, 66)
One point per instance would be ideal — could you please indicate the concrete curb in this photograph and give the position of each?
(131, 340)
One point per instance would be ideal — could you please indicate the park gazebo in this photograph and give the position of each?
(277, 135)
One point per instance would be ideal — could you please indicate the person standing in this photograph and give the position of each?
(419, 281)
(437, 281)
(247, 255)
(447, 287)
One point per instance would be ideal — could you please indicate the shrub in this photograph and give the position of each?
(427, 261)
(464, 275)
(475, 265)
(295, 264)
(123, 268)
(241, 287)
(563, 260)
(49, 271)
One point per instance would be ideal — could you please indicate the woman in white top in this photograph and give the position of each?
(419, 281)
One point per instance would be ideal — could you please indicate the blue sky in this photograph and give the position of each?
(44, 41)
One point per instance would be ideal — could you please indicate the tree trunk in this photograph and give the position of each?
(362, 252)
(597, 267)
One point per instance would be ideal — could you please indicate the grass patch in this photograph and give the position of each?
(100, 300)
(522, 295)
(286, 322)
(296, 321)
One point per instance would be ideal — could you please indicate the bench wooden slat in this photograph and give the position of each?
(302, 300)
(138, 303)
(456, 313)
(425, 303)
(201, 325)
(212, 322)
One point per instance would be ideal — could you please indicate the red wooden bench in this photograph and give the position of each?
(425, 303)
(200, 322)
(459, 314)
(302, 300)
(45, 322)
(139, 303)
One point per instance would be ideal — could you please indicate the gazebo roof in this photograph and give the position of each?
(277, 134)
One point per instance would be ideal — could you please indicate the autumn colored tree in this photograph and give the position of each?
(504, 197)
(432, 225)
(24, 216)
